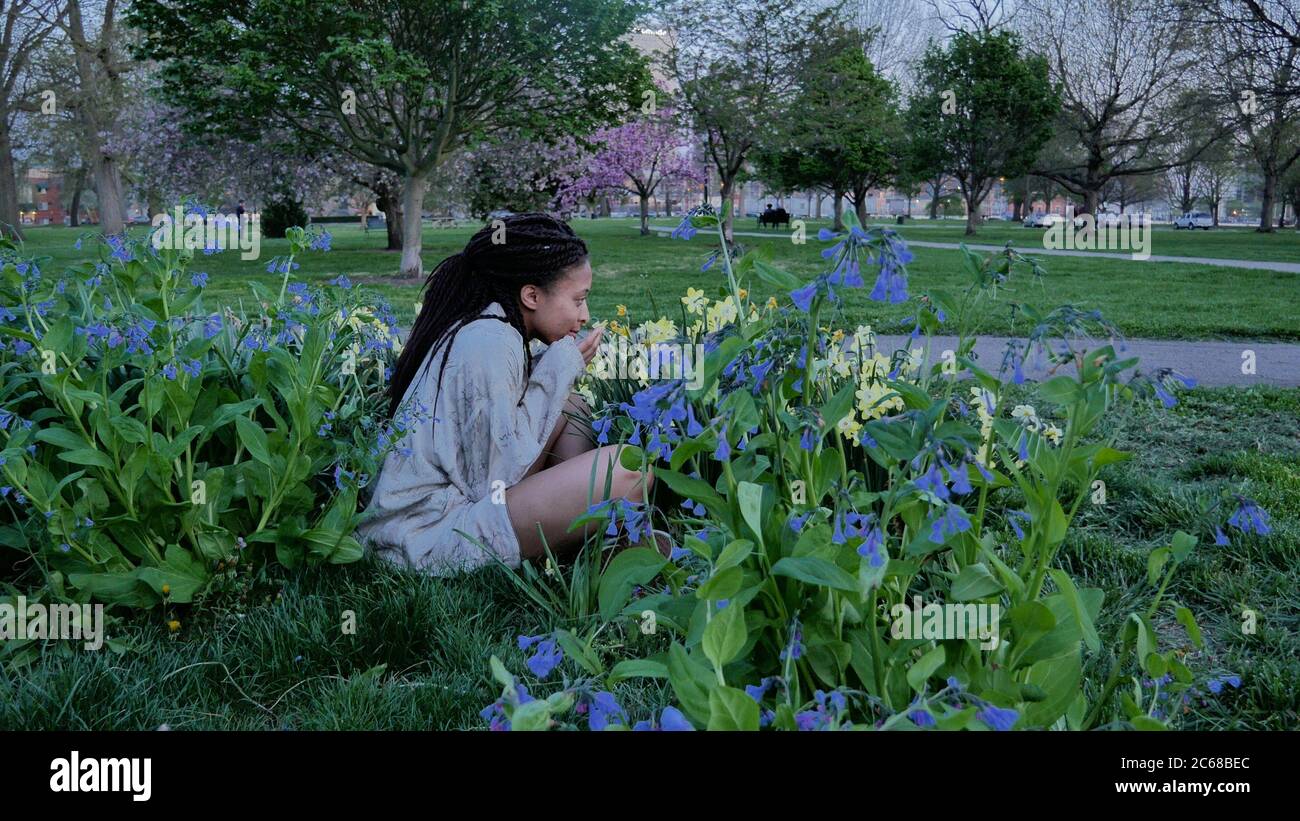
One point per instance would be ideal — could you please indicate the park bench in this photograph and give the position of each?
(775, 218)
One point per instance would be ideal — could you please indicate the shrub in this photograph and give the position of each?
(151, 446)
(280, 215)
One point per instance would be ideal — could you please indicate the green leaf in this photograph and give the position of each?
(732, 709)
(184, 575)
(734, 554)
(975, 582)
(579, 652)
(636, 668)
(816, 571)
(919, 673)
(723, 584)
(87, 456)
(782, 280)
(253, 439)
(1155, 563)
(751, 506)
(691, 683)
(634, 566)
(725, 635)
(500, 673)
(1188, 621)
(1071, 594)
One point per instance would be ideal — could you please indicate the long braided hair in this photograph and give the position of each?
(538, 248)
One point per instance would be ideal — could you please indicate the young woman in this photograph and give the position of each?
(498, 465)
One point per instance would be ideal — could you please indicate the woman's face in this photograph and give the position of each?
(553, 313)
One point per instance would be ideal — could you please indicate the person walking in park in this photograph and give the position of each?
(502, 461)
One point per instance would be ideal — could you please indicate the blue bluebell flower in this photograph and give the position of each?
(605, 711)
(1249, 517)
(998, 718)
(545, 658)
(953, 521)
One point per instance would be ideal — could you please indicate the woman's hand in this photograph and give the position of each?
(590, 344)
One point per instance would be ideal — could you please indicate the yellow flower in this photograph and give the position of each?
(771, 303)
(838, 336)
(876, 368)
(166, 589)
(695, 300)
(622, 310)
(870, 397)
(849, 426)
(1026, 415)
(661, 330)
(1053, 434)
(723, 312)
(173, 625)
(744, 294)
(840, 363)
(616, 328)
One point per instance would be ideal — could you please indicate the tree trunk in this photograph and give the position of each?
(645, 213)
(8, 188)
(727, 189)
(78, 185)
(412, 223)
(972, 213)
(935, 189)
(838, 210)
(1091, 198)
(819, 205)
(1266, 207)
(388, 203)
(860, 206)
(108, 190)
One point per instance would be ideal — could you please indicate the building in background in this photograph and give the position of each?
(39, 195)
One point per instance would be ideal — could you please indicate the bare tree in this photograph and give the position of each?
(1120, 66)
(1259, 85)
(26, 25)
(734, 64)
(896, 33)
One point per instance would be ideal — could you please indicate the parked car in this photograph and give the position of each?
(1195, 219)
(1042, 220)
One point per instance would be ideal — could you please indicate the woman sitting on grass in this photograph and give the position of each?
(497, 419)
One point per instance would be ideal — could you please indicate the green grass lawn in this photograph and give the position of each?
(1225, 242)
(648, 274)
(251, 659)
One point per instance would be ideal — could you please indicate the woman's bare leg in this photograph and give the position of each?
(554, 497)
(569, 437)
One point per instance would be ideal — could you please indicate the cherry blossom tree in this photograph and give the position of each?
(637, 157)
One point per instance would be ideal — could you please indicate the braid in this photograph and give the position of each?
(538, 248)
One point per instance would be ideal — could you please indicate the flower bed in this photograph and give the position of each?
(827, 493)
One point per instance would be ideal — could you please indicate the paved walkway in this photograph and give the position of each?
(1257, 264)
(1212, 364)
